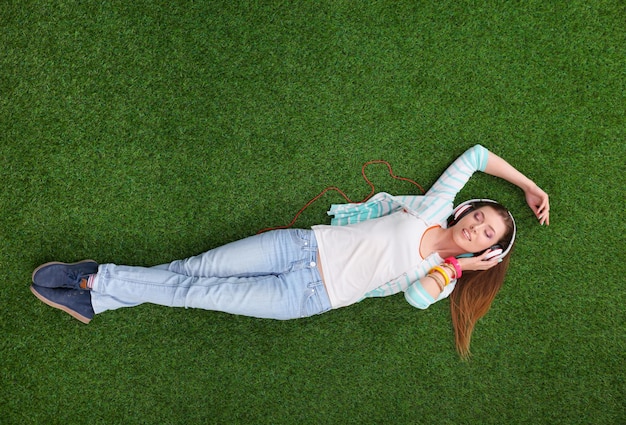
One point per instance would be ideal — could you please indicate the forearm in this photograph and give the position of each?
(498, 167)
(430, 286)
(536, 198)
(438, 278)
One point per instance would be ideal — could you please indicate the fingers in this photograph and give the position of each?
(486, 264)
(480, 262)
(540, 206)
(543, 213)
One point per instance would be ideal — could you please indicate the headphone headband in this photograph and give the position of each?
(463, 207)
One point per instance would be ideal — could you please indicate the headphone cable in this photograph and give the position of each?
(367, 180)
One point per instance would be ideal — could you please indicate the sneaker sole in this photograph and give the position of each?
(59, 263)
(69, 311)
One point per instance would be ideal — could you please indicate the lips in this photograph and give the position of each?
(467, 235)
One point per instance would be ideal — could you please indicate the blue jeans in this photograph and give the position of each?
(271, 275)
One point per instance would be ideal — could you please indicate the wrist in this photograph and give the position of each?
(526, 184)
(455, 266)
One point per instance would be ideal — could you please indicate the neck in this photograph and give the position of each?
(439, 240)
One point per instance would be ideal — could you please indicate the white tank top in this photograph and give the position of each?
(358, 258)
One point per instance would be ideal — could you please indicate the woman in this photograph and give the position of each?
(418, 245)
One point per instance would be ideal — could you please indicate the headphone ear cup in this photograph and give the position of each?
(495, 251)
(459, 214)
(462, 211)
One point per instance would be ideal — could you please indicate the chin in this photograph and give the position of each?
(466, 246)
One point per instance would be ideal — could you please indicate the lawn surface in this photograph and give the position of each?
(139, 132)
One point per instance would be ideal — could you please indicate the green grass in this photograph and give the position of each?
(145, 131)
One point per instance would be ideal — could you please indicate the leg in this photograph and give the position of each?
(267, 253)
(273, 277)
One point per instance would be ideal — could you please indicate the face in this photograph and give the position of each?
(479, 230)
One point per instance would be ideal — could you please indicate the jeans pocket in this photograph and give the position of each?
(311, 302)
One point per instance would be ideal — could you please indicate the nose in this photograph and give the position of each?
(475, 227)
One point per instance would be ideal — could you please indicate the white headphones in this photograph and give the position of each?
(497, 250)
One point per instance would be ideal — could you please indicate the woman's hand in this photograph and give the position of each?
(539, 202)
(478, 263)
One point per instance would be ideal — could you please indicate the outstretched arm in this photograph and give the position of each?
(536, 198)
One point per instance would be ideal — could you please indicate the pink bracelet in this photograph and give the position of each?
(457, 267)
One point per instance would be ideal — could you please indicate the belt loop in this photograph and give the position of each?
(312, 241)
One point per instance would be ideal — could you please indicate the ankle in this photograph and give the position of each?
(86, 283)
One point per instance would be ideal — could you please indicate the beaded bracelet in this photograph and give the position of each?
(449, 270)
(442, 272)
(438, 280)
(457, 267)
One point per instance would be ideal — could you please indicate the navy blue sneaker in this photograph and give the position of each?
(75, 302)
(64, 275)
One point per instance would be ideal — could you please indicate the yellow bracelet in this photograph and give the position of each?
(441, 271)
(451, 269)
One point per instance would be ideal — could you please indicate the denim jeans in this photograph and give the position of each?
(271, 275)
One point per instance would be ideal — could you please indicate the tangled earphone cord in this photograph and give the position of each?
(367, 180)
